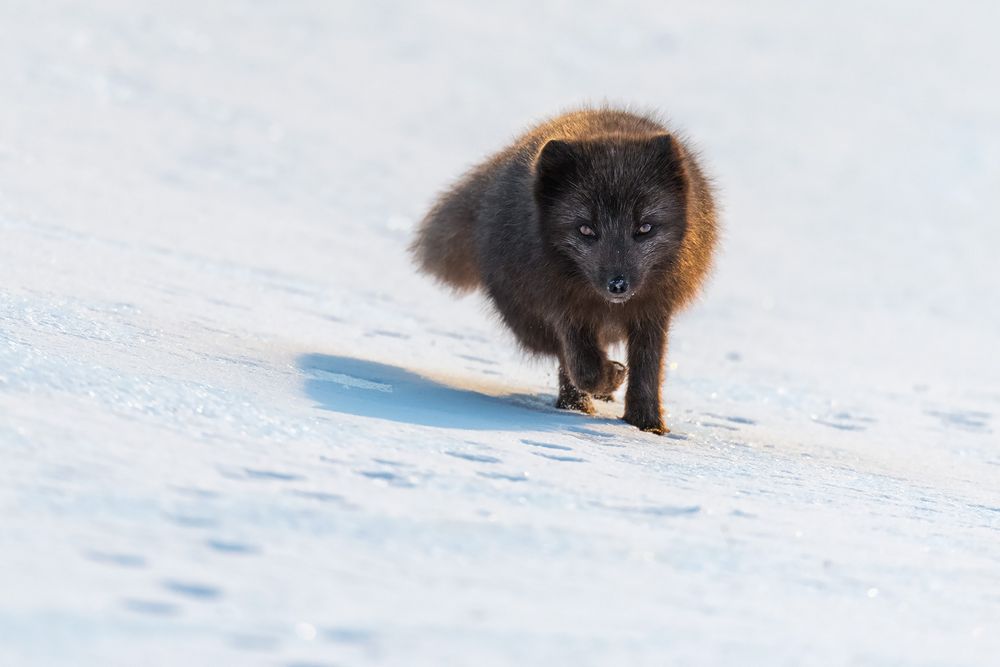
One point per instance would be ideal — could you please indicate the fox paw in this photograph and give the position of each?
(646, 421)
(575, 401)
(614, 373)
(600, 380)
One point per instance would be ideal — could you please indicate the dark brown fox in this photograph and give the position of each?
(593, 228)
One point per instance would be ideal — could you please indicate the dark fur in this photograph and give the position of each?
(512, 226)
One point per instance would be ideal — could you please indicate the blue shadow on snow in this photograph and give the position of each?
(370, 389)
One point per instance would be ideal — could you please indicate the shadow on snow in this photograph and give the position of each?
(370, 389)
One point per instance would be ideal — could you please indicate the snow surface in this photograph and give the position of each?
(237, 429)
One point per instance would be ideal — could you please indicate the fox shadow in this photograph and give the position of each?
(371, 389)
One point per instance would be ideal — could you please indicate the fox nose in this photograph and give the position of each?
(617, 285)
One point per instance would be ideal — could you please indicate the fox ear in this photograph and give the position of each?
(554, 168)
(670, 160)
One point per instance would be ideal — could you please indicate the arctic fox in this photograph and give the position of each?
(592, 228)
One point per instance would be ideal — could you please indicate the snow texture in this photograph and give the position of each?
(237, 429)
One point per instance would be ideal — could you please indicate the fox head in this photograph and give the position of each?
(614, 209)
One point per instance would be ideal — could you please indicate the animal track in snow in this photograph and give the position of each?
(479, 458)
(547, 445)
(560, 457)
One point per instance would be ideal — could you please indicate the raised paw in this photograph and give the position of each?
(615, 374)
(601, 379)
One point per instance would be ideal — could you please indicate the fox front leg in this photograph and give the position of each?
(647, 344)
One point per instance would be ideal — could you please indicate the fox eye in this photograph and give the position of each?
(587, 230)
(644, 228)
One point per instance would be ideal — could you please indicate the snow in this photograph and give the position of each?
(238, 429)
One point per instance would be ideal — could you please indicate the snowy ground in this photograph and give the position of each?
(236, 429)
